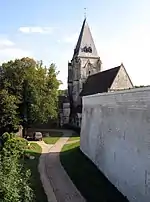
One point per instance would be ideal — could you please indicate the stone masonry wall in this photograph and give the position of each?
(121, 81)
(115, 135)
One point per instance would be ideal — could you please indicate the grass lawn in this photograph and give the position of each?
(73, 139)
(92, 184)
(35, 150)
(52, 139)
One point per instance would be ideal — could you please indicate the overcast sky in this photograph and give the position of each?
(47, 30)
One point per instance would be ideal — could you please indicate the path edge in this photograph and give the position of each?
(50, 193)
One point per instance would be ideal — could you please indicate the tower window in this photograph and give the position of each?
(89, 72)
(86, 49)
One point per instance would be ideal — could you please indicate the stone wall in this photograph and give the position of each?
(66, 113)
(115, 135)
(122, 80)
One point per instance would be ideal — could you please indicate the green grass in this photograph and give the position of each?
(92, 184)
(73, 139)
(35, 150)
(34, 147)
(52, 139)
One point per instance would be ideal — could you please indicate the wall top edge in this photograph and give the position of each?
(119, 92)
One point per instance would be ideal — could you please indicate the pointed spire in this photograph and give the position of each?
(85, 45)
(84, 13)
(122, 65)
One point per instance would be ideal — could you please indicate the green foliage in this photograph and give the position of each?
(35, 150)
(6, 136)
(63, 92)
(28, 93)
(42, 102)
(14, 179)
(15, 146)
(8, 110)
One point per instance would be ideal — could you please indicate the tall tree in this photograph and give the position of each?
(9, 118)
(32, 90)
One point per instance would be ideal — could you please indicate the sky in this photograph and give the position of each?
(48, 30)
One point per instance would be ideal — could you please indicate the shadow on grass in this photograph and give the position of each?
(92, 184)
(35, 181)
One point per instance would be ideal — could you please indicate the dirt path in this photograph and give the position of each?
(56, 182)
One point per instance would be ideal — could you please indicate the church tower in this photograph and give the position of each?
(85, 62)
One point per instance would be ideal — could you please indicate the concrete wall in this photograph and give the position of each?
(115, 135)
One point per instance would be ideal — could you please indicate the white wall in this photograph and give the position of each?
(115, 135)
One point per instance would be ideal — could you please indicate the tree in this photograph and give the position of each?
(31, 91)
(42, 100)
(9, 119)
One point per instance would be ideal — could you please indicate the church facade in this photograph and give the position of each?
(85, 77)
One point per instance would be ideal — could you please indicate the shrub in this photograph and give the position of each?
(7, 136)
(14, 178)
(13, 145)
(14, 181)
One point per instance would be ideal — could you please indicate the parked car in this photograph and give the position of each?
(37, 136)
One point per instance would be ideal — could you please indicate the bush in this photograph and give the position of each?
(14, 178)
(14, 181)
(14, 146)
(7, 136)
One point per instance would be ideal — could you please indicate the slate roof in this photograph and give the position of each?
(99, 82)
(85, 39)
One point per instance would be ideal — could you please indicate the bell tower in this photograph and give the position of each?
(85, 62)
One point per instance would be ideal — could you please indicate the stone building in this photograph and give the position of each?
(85, 62)
(85, 75)
(64, 110)
(109, 80)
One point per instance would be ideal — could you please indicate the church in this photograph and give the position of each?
(85, 77)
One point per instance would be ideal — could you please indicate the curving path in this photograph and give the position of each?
(57, 184)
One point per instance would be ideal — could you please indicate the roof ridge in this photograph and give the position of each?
(111, 68)
(104, 71)
(80, 38)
